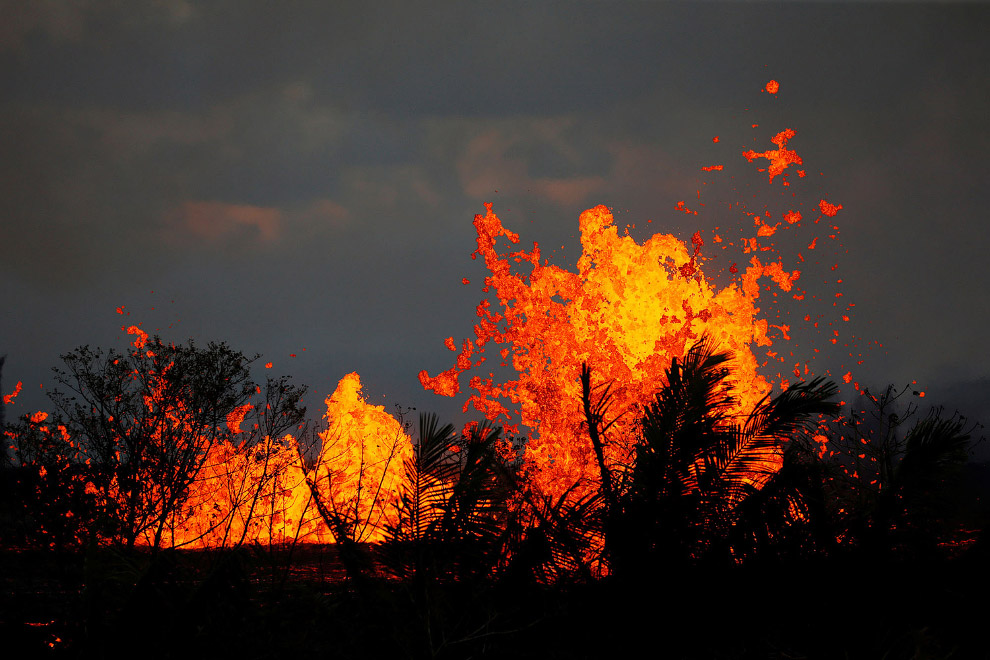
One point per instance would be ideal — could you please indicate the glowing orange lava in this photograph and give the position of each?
(141, 337)
(262, 492)
(253, 494)
(9, 398)
(626, 312)
(362, 461)
(829, 210)
(248, 487)
(780, 158)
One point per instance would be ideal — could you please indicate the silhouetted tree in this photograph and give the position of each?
(253, 496)
(896, 485)
(789, 518)
(453, 505)
(450, 534)
(560, 540)
(143, 421)
(696, 464)
(54, 507)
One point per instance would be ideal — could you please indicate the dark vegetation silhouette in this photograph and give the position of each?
(785, 532)
(3, 420)
(696, 469)
(129, 435)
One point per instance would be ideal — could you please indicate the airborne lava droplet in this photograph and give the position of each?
(444, 383)
(780, 158)
(9, 398)
(829, 209)
(141, 337)
(236, 416)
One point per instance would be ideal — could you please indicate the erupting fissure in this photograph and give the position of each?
(266, 494)
(626, 311)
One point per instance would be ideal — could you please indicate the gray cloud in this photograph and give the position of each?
(306, 177)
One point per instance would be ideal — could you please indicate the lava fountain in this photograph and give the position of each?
(626, 312)
(265, 492)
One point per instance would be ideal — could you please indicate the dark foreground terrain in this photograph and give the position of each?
(258, 604)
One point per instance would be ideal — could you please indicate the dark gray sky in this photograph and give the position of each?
(301, 177)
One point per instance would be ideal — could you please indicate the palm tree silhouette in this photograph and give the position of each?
(899, 490)
(451, 518)
(696, 464)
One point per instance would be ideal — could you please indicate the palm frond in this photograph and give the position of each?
(452, 505)
(564, 542)
(427, 481)
(478, 494)
(787, 515)
(685, 416)
(734, 459)
(696, 466)
(933, 450)
(749, 454)
(794, 410)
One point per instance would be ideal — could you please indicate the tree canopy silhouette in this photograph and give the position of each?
(143, 421)
(696, 463)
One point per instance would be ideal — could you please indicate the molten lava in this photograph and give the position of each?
(780, 158)
(263, 492)
(361, 462)
(626, 312)
(9, 398)
(254, 494)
